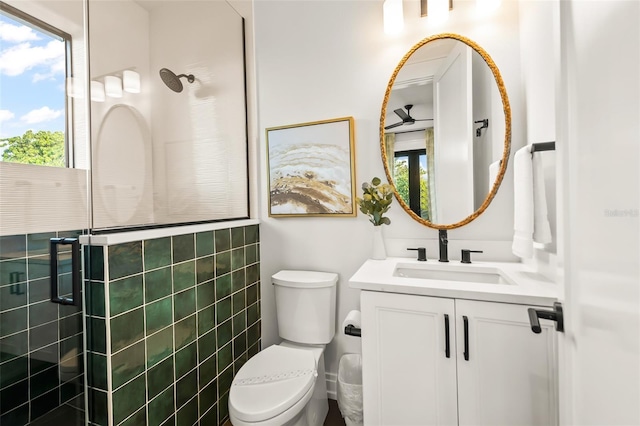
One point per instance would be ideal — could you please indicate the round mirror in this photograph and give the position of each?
(445, 131)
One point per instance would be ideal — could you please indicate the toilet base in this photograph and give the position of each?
(316, 410)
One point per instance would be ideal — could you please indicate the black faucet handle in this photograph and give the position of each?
(422, 253)
(466, 255)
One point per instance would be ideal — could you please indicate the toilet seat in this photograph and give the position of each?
(271, 382)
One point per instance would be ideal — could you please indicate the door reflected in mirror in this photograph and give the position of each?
(411, 182)
(445, 131)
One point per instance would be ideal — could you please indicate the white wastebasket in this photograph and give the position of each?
(349, 390)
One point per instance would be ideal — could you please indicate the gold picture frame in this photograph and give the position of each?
(311, 169)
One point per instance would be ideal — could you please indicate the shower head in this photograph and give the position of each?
(173, 81)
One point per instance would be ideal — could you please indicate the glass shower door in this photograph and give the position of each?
(41, 343)
(44, 181)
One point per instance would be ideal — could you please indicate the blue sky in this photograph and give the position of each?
(32, 76)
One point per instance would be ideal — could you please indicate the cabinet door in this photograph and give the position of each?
(510, 376)
(407, 378)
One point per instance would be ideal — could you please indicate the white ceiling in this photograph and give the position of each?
(413, 84)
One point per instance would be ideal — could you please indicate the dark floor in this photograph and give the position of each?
(334, 418)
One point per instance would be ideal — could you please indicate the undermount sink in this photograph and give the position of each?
(459, 273)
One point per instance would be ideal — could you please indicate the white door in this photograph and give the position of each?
(407, 377)
(598, 148)
(507, 375)
(453, 133)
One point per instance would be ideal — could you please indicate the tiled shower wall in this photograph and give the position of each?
(41, 363)
(169, 323)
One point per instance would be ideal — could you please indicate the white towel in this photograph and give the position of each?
(530, 206)
(523, 203)
(494, 168)
(541, 227)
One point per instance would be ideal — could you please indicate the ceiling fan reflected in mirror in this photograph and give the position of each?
(405, 117)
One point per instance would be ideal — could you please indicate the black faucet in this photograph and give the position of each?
(422, 253)
(444, 254)
(466, 255)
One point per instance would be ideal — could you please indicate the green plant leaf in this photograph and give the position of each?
(376, 201)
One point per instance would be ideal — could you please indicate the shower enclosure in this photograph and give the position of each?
(43, 210)
(136, 147)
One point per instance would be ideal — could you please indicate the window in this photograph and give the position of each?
(411, 181)
(35, 61)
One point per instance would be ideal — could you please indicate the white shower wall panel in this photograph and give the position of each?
(199, 134)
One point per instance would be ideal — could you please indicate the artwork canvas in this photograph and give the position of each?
(312, 169)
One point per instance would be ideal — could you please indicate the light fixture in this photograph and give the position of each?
(131, 81)
(113, 86)
(97, 91)
(392, 16)
(74, 88)
(436, 10)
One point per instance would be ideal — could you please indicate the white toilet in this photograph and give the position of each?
(284, 385)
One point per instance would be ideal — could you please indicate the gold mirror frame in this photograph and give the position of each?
(507, 136)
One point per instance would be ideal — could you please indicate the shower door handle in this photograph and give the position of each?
(75, 271)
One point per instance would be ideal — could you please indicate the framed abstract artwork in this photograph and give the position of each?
(311, 169)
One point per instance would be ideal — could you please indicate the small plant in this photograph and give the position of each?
(376, 200)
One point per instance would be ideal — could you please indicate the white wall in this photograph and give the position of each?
(319, 60)
(487, 104)
(539, 35)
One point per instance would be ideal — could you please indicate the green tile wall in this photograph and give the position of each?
(41, 363)
(169, 324)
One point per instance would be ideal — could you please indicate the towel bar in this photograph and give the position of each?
(543, 146)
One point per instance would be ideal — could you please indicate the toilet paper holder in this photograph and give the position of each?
(351, 330)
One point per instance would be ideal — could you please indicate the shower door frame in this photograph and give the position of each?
(46, 210)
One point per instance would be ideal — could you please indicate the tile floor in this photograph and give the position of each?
(65, 415)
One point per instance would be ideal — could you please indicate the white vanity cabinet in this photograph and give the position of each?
(498, 371)
(407, 379)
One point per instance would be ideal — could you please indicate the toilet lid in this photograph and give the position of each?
(271, 382)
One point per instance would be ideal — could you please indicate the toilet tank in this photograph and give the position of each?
(306, 305)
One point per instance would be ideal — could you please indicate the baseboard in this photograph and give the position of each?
(332, 380)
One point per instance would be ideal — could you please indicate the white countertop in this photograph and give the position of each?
(526, 286)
